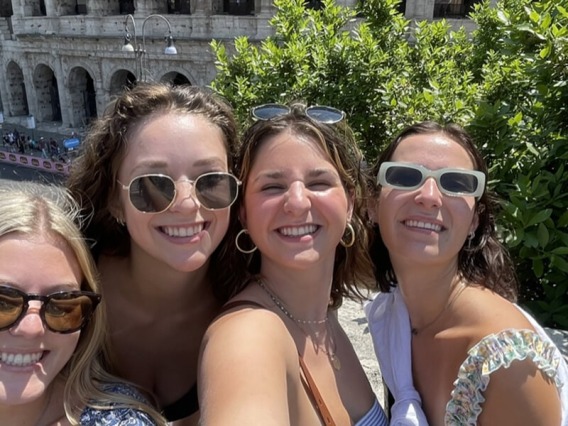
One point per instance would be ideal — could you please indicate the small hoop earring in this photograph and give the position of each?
(239, 248)
(470, 238)
(351, 233)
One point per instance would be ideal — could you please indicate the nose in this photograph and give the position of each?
(429, 194)
(296, 198)
(185, 198)
(30, 325)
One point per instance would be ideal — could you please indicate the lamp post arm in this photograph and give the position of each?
(155, 15)
(134, 30)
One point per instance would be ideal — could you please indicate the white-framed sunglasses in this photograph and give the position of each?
(155, 193)
(452, 182)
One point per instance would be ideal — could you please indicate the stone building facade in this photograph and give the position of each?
(62, 61)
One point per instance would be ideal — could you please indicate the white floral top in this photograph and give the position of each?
(493, 352)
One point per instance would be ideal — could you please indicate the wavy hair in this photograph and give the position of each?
(484, 260)
(38, 209)
(353, 266)
(93, 176)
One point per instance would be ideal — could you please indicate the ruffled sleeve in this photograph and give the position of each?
(493, 352)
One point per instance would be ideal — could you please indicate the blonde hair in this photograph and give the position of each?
(33, 208)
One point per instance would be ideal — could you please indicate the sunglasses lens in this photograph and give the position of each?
(216, 190)
(403, 177)
(269, 111)
(67, 312)
(152, 194)
(324, 114)
(11, 306)
(459, 183)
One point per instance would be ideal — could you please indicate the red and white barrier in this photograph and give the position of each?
(39, 163)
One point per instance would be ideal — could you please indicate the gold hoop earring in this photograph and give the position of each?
(351, 234)
(239, 248)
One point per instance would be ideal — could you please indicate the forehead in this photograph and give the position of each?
(172, 138)
(37, 263)
(289, 148)
(433, 150)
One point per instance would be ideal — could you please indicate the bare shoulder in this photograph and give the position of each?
(485, 312)
(248, 361)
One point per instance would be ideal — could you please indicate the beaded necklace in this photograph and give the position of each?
(333, 359)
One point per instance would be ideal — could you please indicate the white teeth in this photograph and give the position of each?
(298, 231)
(423, 225)
(20, 360)
(188, 231)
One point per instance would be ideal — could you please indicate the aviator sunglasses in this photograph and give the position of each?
(155, 193)
(61, 312)
(318, 113)
(452, 182)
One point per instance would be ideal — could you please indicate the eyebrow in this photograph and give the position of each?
(278, 174)
(160, 165)
(52, 288)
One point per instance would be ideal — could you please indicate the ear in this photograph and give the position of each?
(474, 222)
(115, 206)
(350, 205)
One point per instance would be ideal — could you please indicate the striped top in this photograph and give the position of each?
(374, 417)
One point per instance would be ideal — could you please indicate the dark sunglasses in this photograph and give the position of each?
(61, 312)
(155, 193)
(452, 182)
(319, 113)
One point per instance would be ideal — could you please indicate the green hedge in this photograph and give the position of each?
(506, 82)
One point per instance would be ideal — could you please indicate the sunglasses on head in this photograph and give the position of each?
(155, 193)
(61, 312)
(318, 113)
(452, 182)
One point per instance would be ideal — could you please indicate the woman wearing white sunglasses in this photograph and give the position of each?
(446, 322)
(155, 173)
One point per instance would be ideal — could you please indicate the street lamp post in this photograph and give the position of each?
(140, 51)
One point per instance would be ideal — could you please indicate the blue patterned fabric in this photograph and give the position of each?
(117, 416)
(374, 417)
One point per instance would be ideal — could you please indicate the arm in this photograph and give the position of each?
(247, 358)
(521, 395)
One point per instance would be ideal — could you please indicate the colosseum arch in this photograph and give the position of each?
(121, 80)
(47, 94)
(18, 99)
(82, 97)
(176, 78)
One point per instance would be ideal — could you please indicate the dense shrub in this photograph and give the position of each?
(507, 82)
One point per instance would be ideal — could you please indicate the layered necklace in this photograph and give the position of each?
(301, 323)
(456, 293)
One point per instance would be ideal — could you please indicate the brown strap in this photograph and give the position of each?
(320, 403)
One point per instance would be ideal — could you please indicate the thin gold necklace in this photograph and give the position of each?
(415, 330)
(332, 356)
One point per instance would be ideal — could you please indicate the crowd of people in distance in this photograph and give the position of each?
(190, 273)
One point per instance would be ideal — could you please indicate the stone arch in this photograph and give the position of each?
(47, 94)
(34, 7)
(82, 97)
(175, 78)
(18, 99)
(121, 80)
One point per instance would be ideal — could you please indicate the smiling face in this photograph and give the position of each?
(31, 356)
(424, 226)
(182, 146)
(295, 206)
